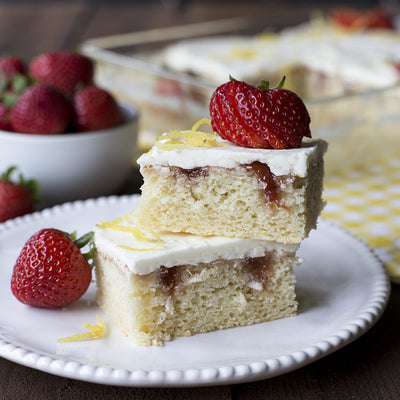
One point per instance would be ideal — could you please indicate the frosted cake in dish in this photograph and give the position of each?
(344, 75)
(233, 191)
(186, 284)
(319, 59)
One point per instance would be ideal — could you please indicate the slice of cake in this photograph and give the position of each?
(179, 285)
(233, 191)
(256, 180)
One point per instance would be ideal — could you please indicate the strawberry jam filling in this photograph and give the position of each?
(256, 273)
(170, 280)
(270, 185)
(257, 270)
(267, 181)
(190, 174)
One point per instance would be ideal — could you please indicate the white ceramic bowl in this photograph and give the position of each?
(75, 165)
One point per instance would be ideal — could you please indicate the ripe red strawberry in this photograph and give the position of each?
(16, 198)
(258, 116)
(376, 18)
(11, 65)
(95, 109)
(51, 271)
(5, 118)
(41, 109)
(64, 70)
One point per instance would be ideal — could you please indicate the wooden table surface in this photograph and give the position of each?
(369, 368)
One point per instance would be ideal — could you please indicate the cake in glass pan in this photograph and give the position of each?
(344, 66)
(321, 58)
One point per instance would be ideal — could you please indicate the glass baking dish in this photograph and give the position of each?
(129, 65)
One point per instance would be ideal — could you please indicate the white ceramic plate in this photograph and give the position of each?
(342, 290)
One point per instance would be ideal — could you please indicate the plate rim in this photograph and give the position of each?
(219, 375)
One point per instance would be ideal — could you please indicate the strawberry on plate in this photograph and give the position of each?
(16, 198)
(64, 70)
(50, 270)
(259, 117)
(41, 109)
(95, 109)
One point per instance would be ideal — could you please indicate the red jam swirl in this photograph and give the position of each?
(190, 174)
(258, 269)
(267, 180)
(170, 280)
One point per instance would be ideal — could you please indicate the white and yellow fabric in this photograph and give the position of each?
(366, 201)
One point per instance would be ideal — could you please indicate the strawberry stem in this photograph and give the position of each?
(89, 256)
(31, 185)
(3, 83)
(263, 84)
(84, 240)
(19, 83)
(9, 99)
(81, 242)
(5, 176)
(281, 83)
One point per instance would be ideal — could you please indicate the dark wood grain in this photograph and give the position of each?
(369, 368)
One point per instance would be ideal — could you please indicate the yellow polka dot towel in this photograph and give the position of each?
(366, 201)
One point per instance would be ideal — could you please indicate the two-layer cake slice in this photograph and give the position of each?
(212, 242)
(180, 284)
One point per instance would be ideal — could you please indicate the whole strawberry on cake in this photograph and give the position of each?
(256, 179)
(212, 242)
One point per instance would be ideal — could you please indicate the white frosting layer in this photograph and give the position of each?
(365, 59)
(178, 249)
(280, 162)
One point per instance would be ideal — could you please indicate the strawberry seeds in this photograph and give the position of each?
(259, 117)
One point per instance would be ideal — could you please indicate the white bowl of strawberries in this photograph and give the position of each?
(59, 128)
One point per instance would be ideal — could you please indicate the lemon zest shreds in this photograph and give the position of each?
(177, 139)
(95, 332)
(200, 122)
(116, 227)
(136, 232)
(142, 235)
(136, 249)
(123, 217)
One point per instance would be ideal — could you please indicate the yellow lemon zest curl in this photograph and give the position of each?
(95, 332)
(147, 235)
(177, 139)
